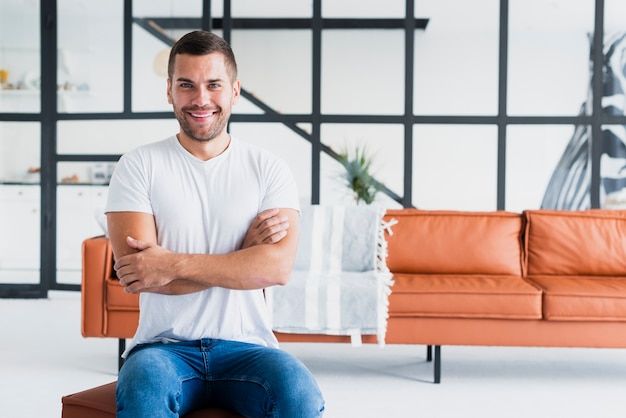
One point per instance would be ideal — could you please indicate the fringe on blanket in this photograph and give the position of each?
(381, 267)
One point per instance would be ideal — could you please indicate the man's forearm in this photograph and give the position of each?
(251, 268)
(178, 287)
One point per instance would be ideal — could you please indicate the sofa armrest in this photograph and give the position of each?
(97, 265)
(107, 311)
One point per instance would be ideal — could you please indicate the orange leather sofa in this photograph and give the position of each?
(538, 278)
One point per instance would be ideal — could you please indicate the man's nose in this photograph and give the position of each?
(201, 97)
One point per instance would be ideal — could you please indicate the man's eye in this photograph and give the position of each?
(214, 86)
(185, 85)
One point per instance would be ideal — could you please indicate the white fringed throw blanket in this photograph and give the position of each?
(340, 283)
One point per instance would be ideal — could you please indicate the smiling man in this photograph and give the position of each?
(198, 224)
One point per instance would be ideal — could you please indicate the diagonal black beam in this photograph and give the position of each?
(150, 26)
(304, 134)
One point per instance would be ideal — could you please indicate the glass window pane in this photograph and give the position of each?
(355, 81)
(90, 56)
(167, 8)
(569, 183)
(149, 72)
(84, 172)
(614, 16)
(363, 9)
(532, 155)
(613, 167)
(111, 136)
(548, 63)
(271, 8)
(383, 143)
(20, 202)
(456, 58)
(80, 215)
(20, 152)
(20, 220)
(275, 66)
(284, 142)
(20, 62)
(455, 167)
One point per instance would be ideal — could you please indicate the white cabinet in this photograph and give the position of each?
(76, 221)
(20, 233)
(20, 220)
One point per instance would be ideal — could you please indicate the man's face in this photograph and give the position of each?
(202, 95)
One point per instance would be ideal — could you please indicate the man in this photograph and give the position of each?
(182, 217)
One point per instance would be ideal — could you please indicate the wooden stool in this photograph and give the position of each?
(99, 402)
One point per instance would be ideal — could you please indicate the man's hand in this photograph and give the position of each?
(145, 269)
(266, 228)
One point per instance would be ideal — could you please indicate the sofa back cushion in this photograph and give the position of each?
(591, 242)
(451, 242)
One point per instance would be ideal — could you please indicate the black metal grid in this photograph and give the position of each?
(49, 116)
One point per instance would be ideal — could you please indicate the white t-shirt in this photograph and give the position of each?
(202, 207)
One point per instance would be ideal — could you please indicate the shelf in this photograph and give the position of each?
(30, 183)
(19, 92)
(19, 183)
(33, 92)
(82, 184)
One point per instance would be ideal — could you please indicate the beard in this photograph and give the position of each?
(205, 132)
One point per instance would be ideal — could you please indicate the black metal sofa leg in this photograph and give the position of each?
(437, 372)
(121, 346)
(437, 364)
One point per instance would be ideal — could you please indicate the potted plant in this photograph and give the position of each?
(357, 174)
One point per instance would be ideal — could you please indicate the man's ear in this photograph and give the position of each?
(236, 91)
(169, 91)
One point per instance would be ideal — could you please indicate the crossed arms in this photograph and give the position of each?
(265, 259)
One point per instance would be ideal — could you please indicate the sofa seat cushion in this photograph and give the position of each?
(464, 296)
(584, 298)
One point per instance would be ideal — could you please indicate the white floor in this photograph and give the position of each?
(44, 357)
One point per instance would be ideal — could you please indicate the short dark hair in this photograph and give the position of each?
(202, 42)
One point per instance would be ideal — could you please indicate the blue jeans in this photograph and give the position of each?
(170, 380)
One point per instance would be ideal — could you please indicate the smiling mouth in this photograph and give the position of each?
(201, 115)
